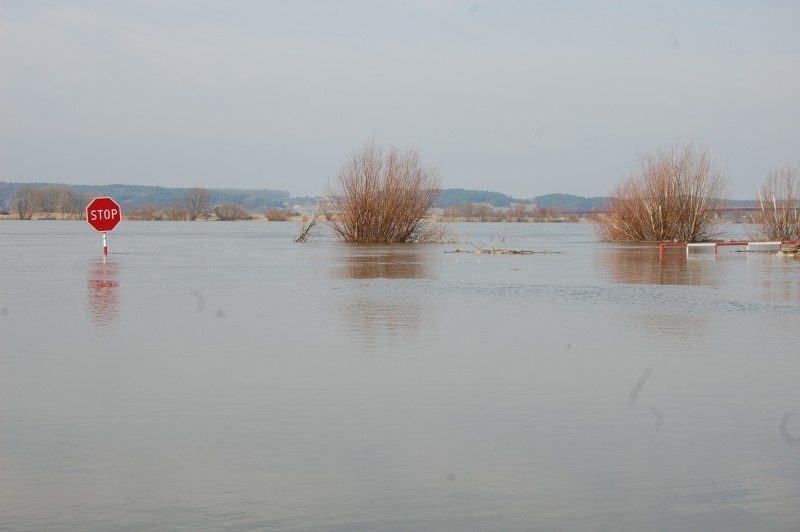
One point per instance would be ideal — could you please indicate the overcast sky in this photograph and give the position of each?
(521, 97)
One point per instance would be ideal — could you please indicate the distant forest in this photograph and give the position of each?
(132, 197)
(459, 196)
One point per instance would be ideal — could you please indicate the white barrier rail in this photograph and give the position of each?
(716, 245)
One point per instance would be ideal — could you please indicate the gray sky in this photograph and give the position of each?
(521, 97)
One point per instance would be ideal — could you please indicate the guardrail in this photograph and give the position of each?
(716, 245)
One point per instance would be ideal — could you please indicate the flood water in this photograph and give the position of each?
(219, 376)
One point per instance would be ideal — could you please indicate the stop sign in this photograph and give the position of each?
(103, 214)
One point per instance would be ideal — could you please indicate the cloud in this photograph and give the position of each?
(527, 98)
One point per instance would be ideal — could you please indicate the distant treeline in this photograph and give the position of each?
(72, 198)
(459, 197)
(566, 202)
(133, 197)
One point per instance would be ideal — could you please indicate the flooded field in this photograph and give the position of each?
(218, 376)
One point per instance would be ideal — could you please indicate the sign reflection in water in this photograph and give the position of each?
(102, 293)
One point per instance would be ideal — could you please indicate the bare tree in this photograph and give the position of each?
(543, 213)
(42, 200)
(382, 196)
(779, 200)
(460, 211)
(197, 202)
(83, 201)
(672, 199)
(22, 202)
(484, 212)
(518, 212)
(68, 202)
(55, 200)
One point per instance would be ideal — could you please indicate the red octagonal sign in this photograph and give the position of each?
(103, 214)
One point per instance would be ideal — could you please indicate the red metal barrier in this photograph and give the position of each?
(716, 245)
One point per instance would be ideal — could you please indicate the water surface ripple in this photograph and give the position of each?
(218, 376)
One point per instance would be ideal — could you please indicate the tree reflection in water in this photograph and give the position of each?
(637, 264)
(779, 277)
(381, 311)
(365, 261)
(668, 316)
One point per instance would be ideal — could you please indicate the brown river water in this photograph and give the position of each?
(219, 376)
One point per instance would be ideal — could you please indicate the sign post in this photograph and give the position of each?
(103, 214)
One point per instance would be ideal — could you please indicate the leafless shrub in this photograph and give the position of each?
(485, 212)
(382, 197)
(518, 212)
(779, 200)
(147, 211)
(176, 213)
(455, 212)
(230, 212)
(478, 212)
(541, 214)
(673, 198)
(276, 215)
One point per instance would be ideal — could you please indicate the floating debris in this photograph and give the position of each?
(498, 251)
(795, 251)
